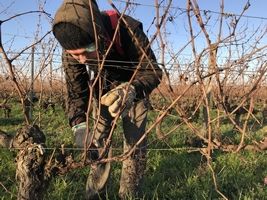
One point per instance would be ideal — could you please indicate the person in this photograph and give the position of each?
(120, 73)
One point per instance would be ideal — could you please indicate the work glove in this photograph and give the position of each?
(114, 99)
(79, 132)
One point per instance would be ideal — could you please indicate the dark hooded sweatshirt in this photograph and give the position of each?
(117, 68)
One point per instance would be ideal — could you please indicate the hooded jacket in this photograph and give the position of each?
(117, 68)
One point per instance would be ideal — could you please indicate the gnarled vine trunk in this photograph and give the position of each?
(30, 162)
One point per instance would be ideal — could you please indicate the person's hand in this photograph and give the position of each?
(79, 132)
(114, 99)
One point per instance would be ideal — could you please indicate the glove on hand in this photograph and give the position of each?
(79, 132)
(114, 99)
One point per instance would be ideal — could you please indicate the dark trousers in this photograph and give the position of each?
(133, 166)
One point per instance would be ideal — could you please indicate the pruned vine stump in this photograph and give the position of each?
(30, 162)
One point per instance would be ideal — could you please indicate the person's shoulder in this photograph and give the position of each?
(133, 23)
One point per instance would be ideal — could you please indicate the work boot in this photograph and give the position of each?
(97, 179)
(132, 176)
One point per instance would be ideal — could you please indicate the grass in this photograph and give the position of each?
(170, 174)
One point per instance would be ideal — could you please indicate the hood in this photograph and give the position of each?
(77, 12)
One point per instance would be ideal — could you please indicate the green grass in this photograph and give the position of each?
(170, 174)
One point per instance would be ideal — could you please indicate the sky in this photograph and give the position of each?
(20, 31)
(26, 25)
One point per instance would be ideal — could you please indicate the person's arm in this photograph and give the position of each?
(77, 78)
(149, 74)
